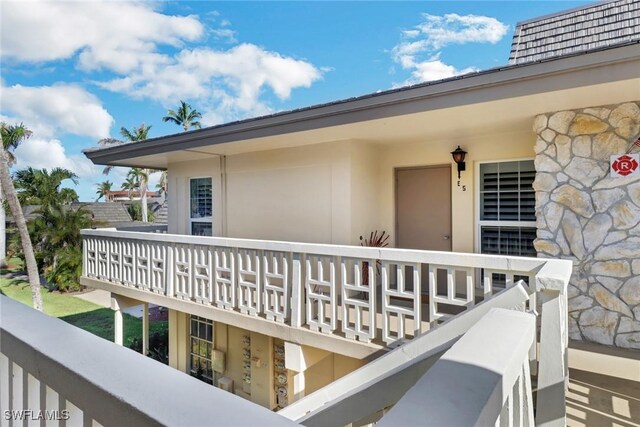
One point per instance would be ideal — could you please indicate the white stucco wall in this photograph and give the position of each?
(298, 194)
(334, 192)
(498, 146)
(178, 194)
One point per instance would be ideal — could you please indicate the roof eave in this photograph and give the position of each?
(363, 108)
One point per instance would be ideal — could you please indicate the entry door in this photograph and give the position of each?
(423, 208)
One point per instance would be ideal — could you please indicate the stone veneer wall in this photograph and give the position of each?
(592, 219)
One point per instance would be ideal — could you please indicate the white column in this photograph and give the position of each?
(118, 320)
(145, 328)
(298, 386)
(118, 304)
(551, 409)
(297, 291)
(299, 358)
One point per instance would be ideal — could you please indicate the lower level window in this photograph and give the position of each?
(201, 348)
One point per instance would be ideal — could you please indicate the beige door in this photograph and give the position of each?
(423, 208)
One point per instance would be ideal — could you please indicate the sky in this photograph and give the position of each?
(76, 72)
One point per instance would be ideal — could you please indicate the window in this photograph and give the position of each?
(201, 348)
(507, 208)
(201, 210)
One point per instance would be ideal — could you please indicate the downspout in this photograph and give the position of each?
(223, 194)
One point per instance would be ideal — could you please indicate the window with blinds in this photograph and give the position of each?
(507, 208)
(201, 209)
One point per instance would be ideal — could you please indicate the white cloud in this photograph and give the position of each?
(434, 69)
(61, 108)
(128, 40)
(437, 32)
(42, 153)
(119, 36)
(230, 81)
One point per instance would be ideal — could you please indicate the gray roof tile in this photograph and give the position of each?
(599, 25)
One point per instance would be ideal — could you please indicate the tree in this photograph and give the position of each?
(141, 178)
(16, 211)
(136, 134)
(186, 116)
(12, 137)
(58, 244)
(139, 134)
(41, 187)
(103, 190)
(130, 185)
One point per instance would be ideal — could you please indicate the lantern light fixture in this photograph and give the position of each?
(458, 156)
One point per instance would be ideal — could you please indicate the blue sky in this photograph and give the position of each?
(76, 72)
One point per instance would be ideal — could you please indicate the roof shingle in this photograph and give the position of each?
(595, 26)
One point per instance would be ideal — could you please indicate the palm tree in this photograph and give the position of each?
(186, 116)
(163, 185)
(41, 187)
(136, 134)
(130, 184)
(12, 136)
(59, 244)
(141, 178)
(103, 190)
(16, 211)
(139, 133)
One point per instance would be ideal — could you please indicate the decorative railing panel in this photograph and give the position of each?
(365, 294)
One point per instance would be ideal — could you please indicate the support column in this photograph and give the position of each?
(145, 328)
(299, 358)
(179, 340)
(118, 320)
(118, 304)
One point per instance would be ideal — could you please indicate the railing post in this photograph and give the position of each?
(297, 290)
(552, 367)
(168, 276)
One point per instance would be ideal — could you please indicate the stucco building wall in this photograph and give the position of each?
(591, 218)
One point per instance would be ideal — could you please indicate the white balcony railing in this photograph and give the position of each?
(361, 293)
(52, 373)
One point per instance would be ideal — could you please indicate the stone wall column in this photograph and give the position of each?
(585, 215)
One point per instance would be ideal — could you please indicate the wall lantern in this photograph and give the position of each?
(458, 157)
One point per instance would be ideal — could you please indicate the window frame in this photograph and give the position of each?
(205, 220)
(201, 320)
(493, 223)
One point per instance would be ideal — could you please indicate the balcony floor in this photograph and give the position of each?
(600, 400)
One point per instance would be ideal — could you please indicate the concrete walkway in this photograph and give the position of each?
(601, 400)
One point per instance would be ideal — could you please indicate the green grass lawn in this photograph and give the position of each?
(78, 312)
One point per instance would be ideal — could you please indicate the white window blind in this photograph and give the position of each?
(507, 208)
(201, 206)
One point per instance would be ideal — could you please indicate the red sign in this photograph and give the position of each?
(625, 165)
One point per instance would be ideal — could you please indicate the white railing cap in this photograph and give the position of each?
(470, 383)
(453, 259)
(113, 384)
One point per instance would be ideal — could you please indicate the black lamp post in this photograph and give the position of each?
(458, 157)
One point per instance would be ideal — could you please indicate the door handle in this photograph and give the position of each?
(446, 237)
